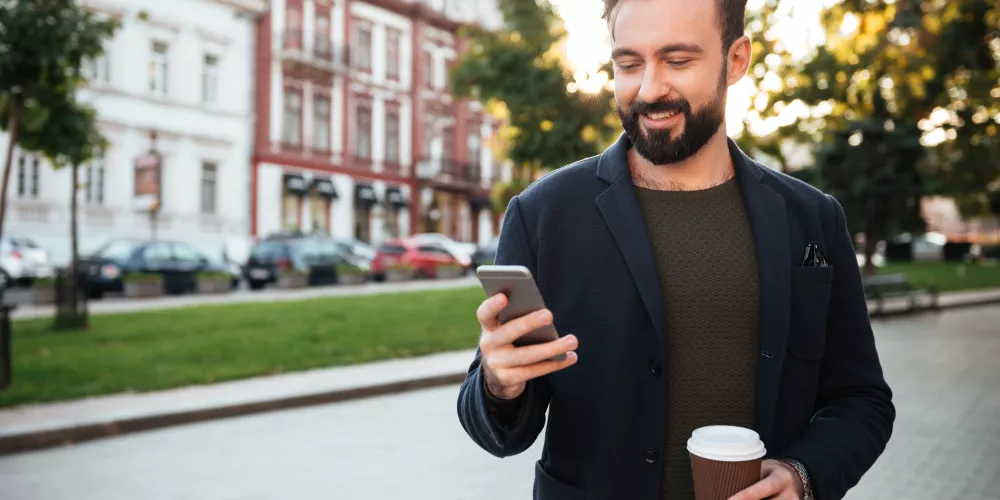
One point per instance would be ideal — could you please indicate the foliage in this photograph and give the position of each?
(520, 74)
(139, 277)
(934, 64)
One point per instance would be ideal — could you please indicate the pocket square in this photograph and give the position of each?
(814, 257)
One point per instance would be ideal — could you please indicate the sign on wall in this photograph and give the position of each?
(147, 183)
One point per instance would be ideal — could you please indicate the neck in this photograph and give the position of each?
(709, 167)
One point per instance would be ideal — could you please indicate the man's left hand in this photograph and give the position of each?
(779, 481)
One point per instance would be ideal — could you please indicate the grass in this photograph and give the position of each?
(947, 276)
(163, 349)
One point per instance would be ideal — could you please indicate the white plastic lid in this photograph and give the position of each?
(726, 443)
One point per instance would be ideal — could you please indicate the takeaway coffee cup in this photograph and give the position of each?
(724, 460)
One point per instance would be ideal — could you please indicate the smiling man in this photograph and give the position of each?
(691, 286)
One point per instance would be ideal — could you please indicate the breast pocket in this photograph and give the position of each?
(809, 308)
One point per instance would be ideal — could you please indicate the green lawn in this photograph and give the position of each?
(948, 276)
(163, 349)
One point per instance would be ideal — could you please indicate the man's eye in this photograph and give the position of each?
(627, 66)
(678, 64)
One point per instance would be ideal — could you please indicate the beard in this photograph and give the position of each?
(662, 147)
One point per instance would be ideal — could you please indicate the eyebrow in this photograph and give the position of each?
(665, 50)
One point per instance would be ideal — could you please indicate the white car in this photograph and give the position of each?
(461, 251)
(21, 261)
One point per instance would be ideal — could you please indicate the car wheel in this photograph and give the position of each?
(256, 285)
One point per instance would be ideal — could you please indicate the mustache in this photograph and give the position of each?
(660, 106)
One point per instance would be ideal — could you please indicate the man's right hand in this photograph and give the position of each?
(508, 368)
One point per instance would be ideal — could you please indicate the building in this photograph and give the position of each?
(356, 133)
(182, 72)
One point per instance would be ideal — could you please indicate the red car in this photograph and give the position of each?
(423, 257)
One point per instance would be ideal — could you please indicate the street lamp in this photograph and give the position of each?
(148, 185)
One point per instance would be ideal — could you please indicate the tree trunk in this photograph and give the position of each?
(15, 122)
(74, 254)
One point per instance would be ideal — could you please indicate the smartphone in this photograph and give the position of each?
(523, 297)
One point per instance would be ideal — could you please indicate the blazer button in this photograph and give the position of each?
(650, 455)
(654, 367)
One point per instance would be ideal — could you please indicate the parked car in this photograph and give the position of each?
(178, 263)
(461, 251)
(357, 253)
(486, 254)
(21, 261)
(424, 257)
(316, 256)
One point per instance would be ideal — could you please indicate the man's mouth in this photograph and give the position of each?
(663, 115)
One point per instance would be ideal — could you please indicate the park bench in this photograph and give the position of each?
(890, 286)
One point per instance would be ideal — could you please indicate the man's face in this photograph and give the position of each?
(670, 76)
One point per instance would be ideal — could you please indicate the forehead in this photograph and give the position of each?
(651, 24)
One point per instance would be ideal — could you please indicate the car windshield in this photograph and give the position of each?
(117, 250)
(24, 243)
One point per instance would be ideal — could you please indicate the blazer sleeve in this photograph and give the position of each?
(478, 415)
(855, 413)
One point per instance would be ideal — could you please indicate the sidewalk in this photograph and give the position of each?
(45, 425)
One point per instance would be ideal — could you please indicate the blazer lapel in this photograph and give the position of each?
(769, 221)
(620, 208)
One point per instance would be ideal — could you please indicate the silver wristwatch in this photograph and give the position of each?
(803, 476)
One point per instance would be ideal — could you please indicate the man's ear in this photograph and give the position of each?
(738, 62)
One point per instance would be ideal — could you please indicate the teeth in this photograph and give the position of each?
(662, 116)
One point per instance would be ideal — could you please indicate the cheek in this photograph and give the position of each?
(626, 88)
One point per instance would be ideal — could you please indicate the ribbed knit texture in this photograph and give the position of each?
(705, 254)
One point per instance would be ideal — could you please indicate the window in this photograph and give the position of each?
(363, 147)
(291, 127)
(429, 69)
(187, 253)
(293, 28)
(95, 180)
(392, 38)
(447, 141)
(27, 176)
(321, 123)
(209, 173)
(157, 252)
(210, 80)
(98, 70)
(158, 69)
(322, 47)
(363, 52)
(474, 143)
(392, 137)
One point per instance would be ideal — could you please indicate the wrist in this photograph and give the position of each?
(803, 475)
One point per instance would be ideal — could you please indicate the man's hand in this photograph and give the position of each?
(508, 368)
(779, 481)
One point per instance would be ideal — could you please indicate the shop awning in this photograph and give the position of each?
(395, 198)
(325, 188)
(295, 183)
(364, 195)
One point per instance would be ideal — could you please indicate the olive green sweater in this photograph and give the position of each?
(707, 263)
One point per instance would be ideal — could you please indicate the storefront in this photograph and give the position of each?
(365, 201)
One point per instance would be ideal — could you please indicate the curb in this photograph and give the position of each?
(934, 310)
(39, 440)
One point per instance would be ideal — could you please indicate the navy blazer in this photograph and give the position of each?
(821, 397)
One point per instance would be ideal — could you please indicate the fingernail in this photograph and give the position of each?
(569, 339)
(544, 315)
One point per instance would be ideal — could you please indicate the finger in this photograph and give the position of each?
(764, 488)
(517, 328)
(525, 373)
(531, 354)
(489, 310)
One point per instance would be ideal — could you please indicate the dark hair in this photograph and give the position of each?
(732, 16)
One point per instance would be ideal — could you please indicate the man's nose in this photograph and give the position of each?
(655, 84)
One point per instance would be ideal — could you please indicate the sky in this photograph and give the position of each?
(588, 47)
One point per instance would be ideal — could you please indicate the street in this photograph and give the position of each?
(942, 368)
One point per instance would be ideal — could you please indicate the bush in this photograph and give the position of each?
(957, 252)
(135, 277)
(991, 252)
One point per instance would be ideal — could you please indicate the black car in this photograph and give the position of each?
(316, 256)
(485, 254)
(176, 262)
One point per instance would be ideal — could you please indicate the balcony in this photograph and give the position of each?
(446, 171)
(316, 54)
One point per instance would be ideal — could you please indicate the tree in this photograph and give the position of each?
(934, 64)
(68, 137)
(42, 46)
(520, 74)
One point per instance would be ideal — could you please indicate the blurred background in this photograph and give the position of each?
(213, 208)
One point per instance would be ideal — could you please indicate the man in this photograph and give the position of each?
(673, 267)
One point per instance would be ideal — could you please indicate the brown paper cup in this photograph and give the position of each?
(724, 461)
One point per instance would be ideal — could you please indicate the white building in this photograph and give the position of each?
(184, 70)
(356, 133)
